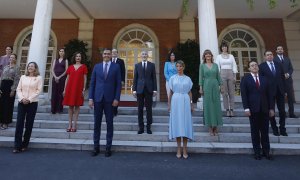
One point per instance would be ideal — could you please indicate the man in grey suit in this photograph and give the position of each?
(288, 82)
(144, 88)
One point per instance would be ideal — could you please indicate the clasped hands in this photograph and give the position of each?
(25, 101)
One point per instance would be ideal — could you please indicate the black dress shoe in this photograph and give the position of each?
(275, 133)
(293, 116)
(107, 153)
(149, 131)
(257, 156)
(268, 156)
(283, 133)
(95, 153)
(141, 131)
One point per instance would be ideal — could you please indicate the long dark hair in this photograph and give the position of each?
(74, 57)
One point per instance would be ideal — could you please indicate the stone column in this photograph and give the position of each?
(40, 34)
(207, 27)
(208, 38)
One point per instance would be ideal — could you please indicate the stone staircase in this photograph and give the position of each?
(50, 132)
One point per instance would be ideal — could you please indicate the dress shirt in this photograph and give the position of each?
(108, 65)
(280, 57)
(270, 65)
(30, 87)
(254, 77)
(144, 63)
(114, 60)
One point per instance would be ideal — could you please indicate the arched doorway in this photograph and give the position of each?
(244, 47)
(22, 45)
(130, 42)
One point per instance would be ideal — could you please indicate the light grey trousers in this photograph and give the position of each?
(229, 88)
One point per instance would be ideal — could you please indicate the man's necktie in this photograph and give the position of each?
(144, 69)
(256, 82)
(281, 58)
(273, 69)
(105, 70)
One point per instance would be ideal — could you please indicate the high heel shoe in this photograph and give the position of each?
(178, 155)
(231, 113)
(215, 131)
(185, 156)
(228, 113)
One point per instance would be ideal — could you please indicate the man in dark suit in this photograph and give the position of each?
(274, 74)
(121, 63)
(104, 93)
(258, 104)
(144, 88)
(288, 82)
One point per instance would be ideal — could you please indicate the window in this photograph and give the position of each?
(244, 47)
(130, 45)
(23, 56)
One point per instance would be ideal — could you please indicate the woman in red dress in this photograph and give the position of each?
(74, 89)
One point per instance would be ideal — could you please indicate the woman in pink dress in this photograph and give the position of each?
(74, 89)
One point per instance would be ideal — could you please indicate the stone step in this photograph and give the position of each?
(156, 111)
(157, 127)
(156, 118)
(155, 146)
(156, 136)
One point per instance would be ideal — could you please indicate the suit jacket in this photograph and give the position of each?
(149, 81)
(122, 67)
(256, 99)
(109, 88)
(276, 81)
(287, 68)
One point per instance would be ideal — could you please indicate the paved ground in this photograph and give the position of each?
(44, 164)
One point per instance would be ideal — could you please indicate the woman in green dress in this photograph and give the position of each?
(210, 87)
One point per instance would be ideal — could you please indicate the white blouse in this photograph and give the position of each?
(227, 63)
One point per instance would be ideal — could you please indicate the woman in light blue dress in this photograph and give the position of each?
(181, 124)
(169, 71)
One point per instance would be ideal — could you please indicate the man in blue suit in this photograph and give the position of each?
(274, 74)
(104, 94)
(258, 104)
